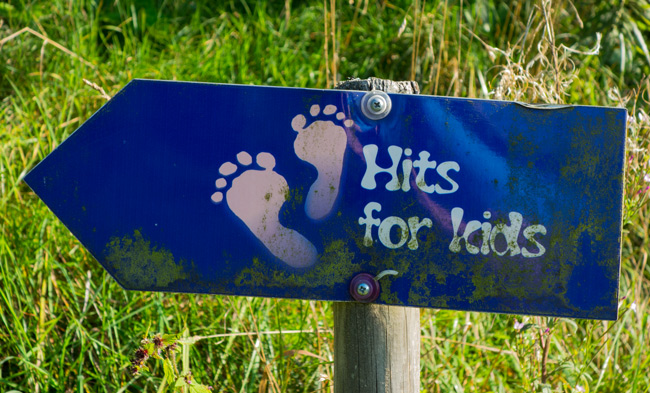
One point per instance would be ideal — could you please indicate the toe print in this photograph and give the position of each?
(322, 144)
(256, 197)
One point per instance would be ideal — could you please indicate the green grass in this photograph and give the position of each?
(66, 326)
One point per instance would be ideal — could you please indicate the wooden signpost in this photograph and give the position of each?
(349, 196)
(376, 347)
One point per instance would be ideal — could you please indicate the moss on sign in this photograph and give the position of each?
(139, 265)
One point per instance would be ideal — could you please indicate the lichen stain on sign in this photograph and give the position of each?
(137, 264)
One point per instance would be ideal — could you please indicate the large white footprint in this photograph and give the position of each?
(322, 144)
(256, 197)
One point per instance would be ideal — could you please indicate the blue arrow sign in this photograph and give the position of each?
(283, 192)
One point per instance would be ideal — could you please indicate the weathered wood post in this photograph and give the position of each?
(376, 347)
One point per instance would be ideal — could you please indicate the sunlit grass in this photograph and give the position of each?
(65, 325)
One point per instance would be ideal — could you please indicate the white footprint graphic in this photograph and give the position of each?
(322, 144)
(256, 197)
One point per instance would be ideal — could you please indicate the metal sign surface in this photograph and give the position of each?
(283, 192)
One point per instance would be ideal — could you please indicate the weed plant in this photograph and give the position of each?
(66, 326)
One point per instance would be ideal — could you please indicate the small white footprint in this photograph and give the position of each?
(322, 144)
(256, 197)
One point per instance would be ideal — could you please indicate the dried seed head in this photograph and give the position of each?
(141, 355)
(158, 341)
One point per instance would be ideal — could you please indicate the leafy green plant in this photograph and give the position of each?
(165, 348)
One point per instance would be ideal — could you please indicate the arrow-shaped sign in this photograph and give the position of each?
(264, 191)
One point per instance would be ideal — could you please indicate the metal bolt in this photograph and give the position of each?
(363, 289)
(376, 105)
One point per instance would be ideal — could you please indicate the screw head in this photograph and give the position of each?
(376, 105)
(363, 289)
